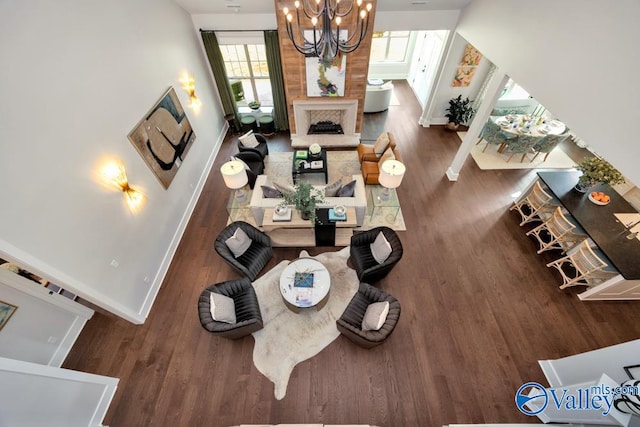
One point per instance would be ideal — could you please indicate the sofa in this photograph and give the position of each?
(358, 201)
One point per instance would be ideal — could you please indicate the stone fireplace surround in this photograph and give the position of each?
(305, 111)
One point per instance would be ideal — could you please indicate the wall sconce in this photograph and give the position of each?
(189, 85)
(115, 174)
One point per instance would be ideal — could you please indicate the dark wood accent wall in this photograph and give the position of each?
(293, 64)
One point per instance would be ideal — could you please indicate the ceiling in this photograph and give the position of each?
(266, 6)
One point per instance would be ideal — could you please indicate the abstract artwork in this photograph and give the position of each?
(326, 79)
(163, 137)
(470, 60)
(6, 311)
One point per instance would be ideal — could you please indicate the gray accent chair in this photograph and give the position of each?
(255, 258)
(248, 317)
(262, 149)
(350, 323)
(367, 268)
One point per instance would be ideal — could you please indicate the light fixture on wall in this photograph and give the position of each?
(189, 85)
(391, 174)
(235, 177)
(115, 174)
(328, 15)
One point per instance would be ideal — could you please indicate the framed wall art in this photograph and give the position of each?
(326, 79)
(6, 311)
(466, 70)
(163, 137)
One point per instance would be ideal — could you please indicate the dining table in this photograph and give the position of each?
(601, 222)
(524, 124)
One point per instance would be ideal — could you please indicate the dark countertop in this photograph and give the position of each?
(599, 221)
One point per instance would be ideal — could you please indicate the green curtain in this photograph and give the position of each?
(212, 48)
(280, 113)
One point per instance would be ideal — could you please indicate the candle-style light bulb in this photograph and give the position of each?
(296, 4)
(338, 21)
(369, 7)
(363, 14)
(359, 3)
(289, 17)
(314, 21)
(285, 11)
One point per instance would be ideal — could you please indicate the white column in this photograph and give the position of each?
(482, 115)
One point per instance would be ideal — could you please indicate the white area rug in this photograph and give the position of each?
(289, 338)
(491, 159)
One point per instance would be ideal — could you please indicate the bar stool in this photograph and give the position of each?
(564, 233)
(589, 265)
(536, 205)
(248, 123)
(266, 125)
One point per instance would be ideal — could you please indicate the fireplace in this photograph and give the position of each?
(334, 119)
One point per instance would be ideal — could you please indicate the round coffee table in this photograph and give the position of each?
(305, 282)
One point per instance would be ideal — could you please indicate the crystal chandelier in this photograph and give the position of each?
(326, 42)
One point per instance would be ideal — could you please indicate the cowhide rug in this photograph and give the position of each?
(289, 338)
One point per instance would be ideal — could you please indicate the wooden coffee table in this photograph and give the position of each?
(316, 295)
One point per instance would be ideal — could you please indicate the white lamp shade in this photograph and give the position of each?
(391, 174)
(234, 174)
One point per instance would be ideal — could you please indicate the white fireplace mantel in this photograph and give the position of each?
(349, 109)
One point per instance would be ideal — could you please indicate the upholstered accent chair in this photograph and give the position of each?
(373, 152)
(248, 317)
(253, 260)
(367, 268)
(262, 149)
(547, 144)
(370, 166)
(492, 134)
(350, 323)
(255, 163)
(523, 144)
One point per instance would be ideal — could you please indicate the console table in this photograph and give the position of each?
(301, 233)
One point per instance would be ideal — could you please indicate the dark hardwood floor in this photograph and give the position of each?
(479, 309)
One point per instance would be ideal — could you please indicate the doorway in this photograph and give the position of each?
(427, 54)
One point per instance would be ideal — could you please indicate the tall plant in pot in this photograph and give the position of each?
(596, 170)
(304, 198)
(459, 112)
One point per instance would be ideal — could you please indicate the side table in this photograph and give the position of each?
(380, 206)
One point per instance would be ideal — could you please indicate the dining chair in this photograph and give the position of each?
(558, 232)
(536, 205)
(523, 144)
(547, 144)
(492, 134)
(584, 265)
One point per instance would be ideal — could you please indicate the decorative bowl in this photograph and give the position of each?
(339, 210)
(597, 202)
(282, 210)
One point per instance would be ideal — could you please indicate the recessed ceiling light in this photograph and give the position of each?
(234, 5)
(419, 2)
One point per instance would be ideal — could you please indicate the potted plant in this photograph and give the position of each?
(254, 105)
(596, 170)
(459, 111)
(304, 198)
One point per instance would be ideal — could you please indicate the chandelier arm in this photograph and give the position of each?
(348, 48)
(311, 13)
(302, 49)
(345, 13)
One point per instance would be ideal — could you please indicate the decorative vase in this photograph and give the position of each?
(305, 214)
(583, 187)
(452, 126)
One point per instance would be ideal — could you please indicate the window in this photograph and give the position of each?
(389, 46)
(248, 63)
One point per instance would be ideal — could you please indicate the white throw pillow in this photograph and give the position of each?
(381, 144)
(380, 248)
(248, 140)
(331, 190)
(238, 243)
(387, 155)
(375, 316)
(222, 308)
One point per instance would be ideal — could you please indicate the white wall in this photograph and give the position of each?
(235, 21)
(576, 57)
(44, 327)
(76, 78)
(444, 91)
(417, 20)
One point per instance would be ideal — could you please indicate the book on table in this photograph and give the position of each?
(333, 216)
(303, 280)
(302, 154)
(316, 164)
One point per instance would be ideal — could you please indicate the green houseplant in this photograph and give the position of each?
(459, 111)
(596, 170)
(254, 105)
(304, 198)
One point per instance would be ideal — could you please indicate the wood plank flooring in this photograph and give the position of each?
(479, 308)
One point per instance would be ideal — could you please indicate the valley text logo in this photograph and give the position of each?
(533, 398)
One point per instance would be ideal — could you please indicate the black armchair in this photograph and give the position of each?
(262, 149)
(255, 163)
(350, 323)
(366, 266)
(255, 258)
(248, 317)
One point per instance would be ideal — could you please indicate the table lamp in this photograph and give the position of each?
(391, 174)
(235, 178)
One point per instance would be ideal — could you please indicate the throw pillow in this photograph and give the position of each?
(284, 188)
(222, 308)
(375, 316)
(387, 155)
(248, 140)
(270, 192)
(238, 243)
(380, 248)
(332, 189)
(381, 144)
(347, 190)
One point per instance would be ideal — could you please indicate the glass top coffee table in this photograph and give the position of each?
(305, 282)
